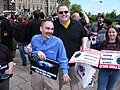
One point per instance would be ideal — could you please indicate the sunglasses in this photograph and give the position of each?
(61, 12)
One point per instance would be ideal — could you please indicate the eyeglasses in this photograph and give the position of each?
(61, 12)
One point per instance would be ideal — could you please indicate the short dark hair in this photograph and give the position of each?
(100, 15)
(6, 14)
(80, 14)
(42, 15)
(36, 14)
(20, 19)
(108, 22)
(45, 20)
(63, 4)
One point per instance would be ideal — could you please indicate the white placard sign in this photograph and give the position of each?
(110, 59)
(100, 59)
(85, 74)
(87, 56)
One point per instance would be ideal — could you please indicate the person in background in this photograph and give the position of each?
(33, 26)
(83, 18)
(5, 59)
(6, 31)
(45, 45)
(13, 22)
(73, 35)
(26, 21)
(42, 16)
(88, 27)
(75, 16)
(107, 78)
(118, 25)
(95, 30)
(107, 23)
(54, 16)
(20, 37)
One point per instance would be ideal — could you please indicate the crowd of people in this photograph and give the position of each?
(57, 38)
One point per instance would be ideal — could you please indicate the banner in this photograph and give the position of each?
(48, 67)
(87, 56)
(100, 59)
(110, 59)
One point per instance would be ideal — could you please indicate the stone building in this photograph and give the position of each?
(48, 7)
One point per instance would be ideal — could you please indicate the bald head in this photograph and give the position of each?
(76, 16)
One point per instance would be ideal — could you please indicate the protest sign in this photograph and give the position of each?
(100, 59)
(87, 56)
(85, 74)
(48, 67)
(110, 59)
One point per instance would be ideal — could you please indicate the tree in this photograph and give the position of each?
(75, 8)
(67, 2)
(93, 18)
(64, 1)
(111, 15)
(60, 1)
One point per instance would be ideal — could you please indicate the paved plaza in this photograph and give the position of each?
(21, 77)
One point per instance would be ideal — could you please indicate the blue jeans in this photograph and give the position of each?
(107, 79)
(21, 49)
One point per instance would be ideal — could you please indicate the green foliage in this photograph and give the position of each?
(60, 1)
(93, 18)
(78, 8)
(75, 8)
(111, 15)
(64, 1)
(67, 2)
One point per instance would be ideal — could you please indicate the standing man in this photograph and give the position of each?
(73, 36)
(6, 32)
(33, 26)
(45, 45)
(6, 67)
(94, 32)
(20, 32)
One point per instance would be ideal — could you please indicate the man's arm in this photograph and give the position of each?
(85, 17)
(10, 68)
(84, 42)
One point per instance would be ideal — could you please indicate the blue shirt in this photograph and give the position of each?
(53, 48)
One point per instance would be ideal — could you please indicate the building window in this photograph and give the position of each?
(33, 7)
(19, 6)
(24, 6)
(28, 5)
(37, 7)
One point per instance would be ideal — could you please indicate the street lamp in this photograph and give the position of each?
(8, 7)
(47, 11)
(12, 3)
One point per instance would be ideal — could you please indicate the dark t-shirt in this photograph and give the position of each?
(109, 46)
(71, 36)
(5, 55)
